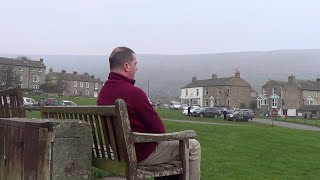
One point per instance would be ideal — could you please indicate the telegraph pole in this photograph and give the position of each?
(148, 89)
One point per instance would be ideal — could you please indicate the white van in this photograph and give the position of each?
(174, 105)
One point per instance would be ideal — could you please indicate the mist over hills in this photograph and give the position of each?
(168, 73)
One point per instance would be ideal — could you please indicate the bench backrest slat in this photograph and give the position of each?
(15, 107)
(111, 131)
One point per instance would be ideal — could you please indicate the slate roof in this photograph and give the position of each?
(309, 108)
(25, 63)
(279, 83)
(208, 82)
(213, 82)
(310, 85)
(74, 77)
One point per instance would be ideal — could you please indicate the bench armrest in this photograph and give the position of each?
(151, 137)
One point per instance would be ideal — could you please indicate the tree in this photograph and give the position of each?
(53, 88)
(8, 77)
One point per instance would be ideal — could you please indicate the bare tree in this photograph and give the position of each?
(8, 77)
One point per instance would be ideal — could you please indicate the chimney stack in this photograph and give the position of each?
(291, 78)
(237, 74)
(214, 76)
(194, 78)
(75, 72)
(63, 71)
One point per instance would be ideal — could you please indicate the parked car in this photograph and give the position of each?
(206, 112)
(50, 102)
(242, 116)
(174, 105)
(69, 103)
(249, 111)
(29, 101)
(184, 106)
(185, 111)
(37, 92)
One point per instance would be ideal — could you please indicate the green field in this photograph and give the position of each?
(254, 151)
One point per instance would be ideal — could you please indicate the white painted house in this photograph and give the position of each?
(192, 95)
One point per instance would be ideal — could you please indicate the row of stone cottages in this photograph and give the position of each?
(32, 74)
(292, 98)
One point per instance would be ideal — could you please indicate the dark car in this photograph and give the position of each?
(206, 112)
(241, 116)
(249, 111)
(50, 102)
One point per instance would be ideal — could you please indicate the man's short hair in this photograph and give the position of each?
(119, 56)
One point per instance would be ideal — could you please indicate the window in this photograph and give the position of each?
(75, 92)
(310, 94)
(264, 92)
(219, 102)
(21, 69)
(228, 92)
(228, 102)
(206, 91)
(40, 70)
(265, 102)
(81, 84)
(95, 94)
(274, 90)
(316, 93)
(75, 84)
(87, 92)
(35, 86)
(87, 85)
(186, 92)
(311, 103)
(206, 102)
(274, 103)
(259, 103)
(284, 92)
(299, 103)
(218, 91)
(31, 69)
(197, 92)
(36, 78)
(96, 85)
(21, 78)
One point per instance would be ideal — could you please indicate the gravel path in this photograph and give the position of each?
(287, 124)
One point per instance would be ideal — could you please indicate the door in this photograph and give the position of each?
(211, 102)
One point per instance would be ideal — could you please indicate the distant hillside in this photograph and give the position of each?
(168, 73)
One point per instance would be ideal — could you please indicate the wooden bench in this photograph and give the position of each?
(113, 148)
(14, 108)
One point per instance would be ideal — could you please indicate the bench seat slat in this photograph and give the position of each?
(165, 169)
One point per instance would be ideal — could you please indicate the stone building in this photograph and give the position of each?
(228, 91)
(75, 84)
(32, 73)
(287, 97)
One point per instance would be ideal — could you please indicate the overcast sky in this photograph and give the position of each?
(95, 27)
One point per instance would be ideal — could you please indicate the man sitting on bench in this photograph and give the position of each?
(142, 116)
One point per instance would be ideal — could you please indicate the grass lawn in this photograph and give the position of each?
(256, 151)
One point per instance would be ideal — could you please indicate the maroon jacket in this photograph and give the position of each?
(142, 116)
